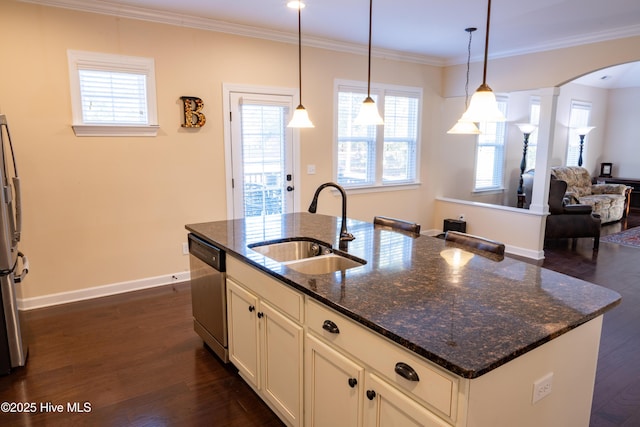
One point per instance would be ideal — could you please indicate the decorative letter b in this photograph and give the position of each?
(193, 116)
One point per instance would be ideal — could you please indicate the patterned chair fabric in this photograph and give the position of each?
(607, 200)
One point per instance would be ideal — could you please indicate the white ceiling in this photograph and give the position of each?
(428, 30)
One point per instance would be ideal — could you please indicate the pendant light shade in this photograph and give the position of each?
(483, 106)
(369, 114)
(300, 117)
(463, 127)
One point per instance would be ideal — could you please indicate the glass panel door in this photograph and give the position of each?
(262, 152)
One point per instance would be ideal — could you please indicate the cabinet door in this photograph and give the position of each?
(281, 354)
(387, 406)
(333, 387)
(243, 331)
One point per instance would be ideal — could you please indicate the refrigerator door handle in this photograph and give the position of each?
(18, 207)
(25, 268)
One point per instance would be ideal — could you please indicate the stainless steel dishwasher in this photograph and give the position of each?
(208, 295)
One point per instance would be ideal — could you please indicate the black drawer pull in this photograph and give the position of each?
(371, 394)
(260, 315)
(353, 382)
(330, 327)
(251, 308)
(406, 372)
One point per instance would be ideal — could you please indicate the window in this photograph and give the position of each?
(112, 95)
(534, 119)
(376, 156)
(490, 153)
(579, 117)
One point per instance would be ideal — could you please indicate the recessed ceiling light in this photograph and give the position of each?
(296, 4)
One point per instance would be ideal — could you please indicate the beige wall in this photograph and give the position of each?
(101, 211)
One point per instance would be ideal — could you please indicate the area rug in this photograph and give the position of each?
(630, 237)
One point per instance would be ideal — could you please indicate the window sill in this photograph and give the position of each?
(382, 188)
(115, 130)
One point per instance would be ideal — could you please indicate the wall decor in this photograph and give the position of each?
(193, 115)
(605, 170)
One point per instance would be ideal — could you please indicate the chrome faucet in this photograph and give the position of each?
(344, 235)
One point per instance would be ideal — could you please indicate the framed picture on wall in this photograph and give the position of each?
(605, 170)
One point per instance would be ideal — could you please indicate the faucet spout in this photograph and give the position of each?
(345, 236)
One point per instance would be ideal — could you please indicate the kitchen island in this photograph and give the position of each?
(500, 333)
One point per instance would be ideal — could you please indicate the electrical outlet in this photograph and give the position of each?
(311, 169)
(461, 217)
(185, 249)
(542, 387)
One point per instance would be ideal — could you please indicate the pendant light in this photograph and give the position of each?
(461, 126)
(483, 106)
(300, 117)
(369, 114)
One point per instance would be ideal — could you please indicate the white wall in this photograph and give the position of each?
(622, 141)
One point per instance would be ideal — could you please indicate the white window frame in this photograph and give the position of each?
(80, 60)
(573, 139)
(501, 135)
(378, 92)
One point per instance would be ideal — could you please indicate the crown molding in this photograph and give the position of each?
(208, 24)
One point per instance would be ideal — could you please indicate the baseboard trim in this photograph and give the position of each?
(100, 291)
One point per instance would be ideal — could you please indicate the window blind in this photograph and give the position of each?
(109, 97)
(579, 117)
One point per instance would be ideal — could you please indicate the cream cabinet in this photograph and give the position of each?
(266, 340)
(363, 379)
(333, 386)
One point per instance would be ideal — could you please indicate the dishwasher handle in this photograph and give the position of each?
(206, 252)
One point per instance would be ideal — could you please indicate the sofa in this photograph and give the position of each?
(606, 200)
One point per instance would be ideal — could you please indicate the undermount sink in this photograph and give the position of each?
(325, 264)
(306, 255)
(292, 249)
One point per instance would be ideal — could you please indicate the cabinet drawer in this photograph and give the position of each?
(435, 387)
(278, 294)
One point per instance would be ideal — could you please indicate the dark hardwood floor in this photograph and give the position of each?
(136, 360)
(616, 400)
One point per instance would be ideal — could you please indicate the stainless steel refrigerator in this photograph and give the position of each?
(13, 264)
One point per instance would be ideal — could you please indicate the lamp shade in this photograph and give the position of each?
(584, 130)
(300, 119)
(464, 128)
(527, 128)
(483, 107)
(368, 114)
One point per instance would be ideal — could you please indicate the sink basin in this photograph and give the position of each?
(324, 264)
(306, 255)
(291, 250)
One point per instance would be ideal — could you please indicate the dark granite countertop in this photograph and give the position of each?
(468, 319)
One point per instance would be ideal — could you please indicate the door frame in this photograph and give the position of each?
(227, 88)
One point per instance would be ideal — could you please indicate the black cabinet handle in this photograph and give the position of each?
(371, 394)
(260, 315)
(331, 327)
(252, 308)
(406, 372)
(353, 382)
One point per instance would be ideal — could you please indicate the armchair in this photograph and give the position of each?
(570, 220)
(606, 200)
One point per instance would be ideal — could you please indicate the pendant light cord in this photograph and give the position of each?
(470, 30)
(486, 46)
(369, 71)
(300, 54)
